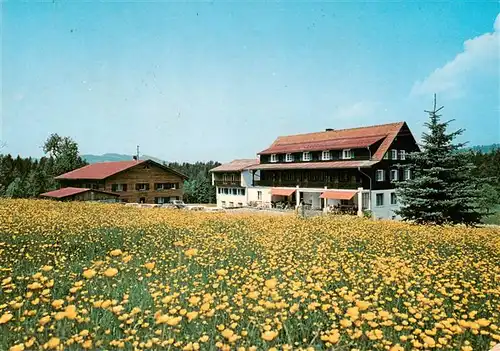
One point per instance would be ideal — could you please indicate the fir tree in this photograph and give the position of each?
(442, 188)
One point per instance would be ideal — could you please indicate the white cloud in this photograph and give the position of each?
(480, 58)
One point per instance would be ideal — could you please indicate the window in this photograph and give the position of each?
(394, 200)
(274, 158)
(379, 199)
(325, 155)
(347, 154)
(226, 191)
(142, 187)
(243, 191)
(407, 174)
(380, 175)
(118, 187)
(259, 195)
(165, 186)
(289, 158)
(218, 190)
(394, 154)
(162, 200)
(386, 156)
(235, 191)
(394, 174)
(402, 155)
(306, 156)
(365, 198)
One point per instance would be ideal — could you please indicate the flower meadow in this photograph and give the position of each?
(76, 276)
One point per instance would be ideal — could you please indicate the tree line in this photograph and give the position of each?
(29, 177)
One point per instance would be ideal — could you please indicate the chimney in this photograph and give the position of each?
(329, 130)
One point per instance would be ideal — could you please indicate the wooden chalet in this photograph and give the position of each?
(142, 181)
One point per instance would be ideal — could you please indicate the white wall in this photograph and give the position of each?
(387, 210)
(235, 199)
(253, 194)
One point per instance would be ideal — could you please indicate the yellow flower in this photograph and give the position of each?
(271, 283)
(18, 347)
(47, 268)
(110, 272)
(353, 312)
(150, 265)
(35, 286)
(345, 323)
(191, 315)
(44, 320)
(57, 303)
(362, 305)
(116, 252)
(53, 343)
(70, 312)
(89, 273)
(6, 317)
(269, 335)
(174, 321)
(191, 252)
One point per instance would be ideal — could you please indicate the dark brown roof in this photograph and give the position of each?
(235, 165)
(338, 139)
(103, 170)
(314, 165)
(69, 191)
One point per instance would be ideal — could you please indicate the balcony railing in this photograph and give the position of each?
(310, 184)
(219, 182)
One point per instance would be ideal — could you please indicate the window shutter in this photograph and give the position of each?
(124, 187)
(352, 153)
(147, 186)
(113, 187)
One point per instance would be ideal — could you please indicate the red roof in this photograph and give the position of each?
(282, 192)
(314, 165)
(103, 170)
(99, 170)
(235, 165)
(338, 139)
(338, 195)
(69, 191)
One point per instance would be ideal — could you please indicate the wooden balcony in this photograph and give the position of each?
(309, 184)
(232, 183)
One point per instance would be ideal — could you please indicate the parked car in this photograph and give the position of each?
(177, 204)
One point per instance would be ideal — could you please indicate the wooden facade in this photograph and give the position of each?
(148, 182)
(340, 178)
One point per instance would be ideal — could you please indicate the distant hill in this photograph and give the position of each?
(484, 148)
(110, 157)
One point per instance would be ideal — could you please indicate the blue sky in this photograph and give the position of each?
(220, 81)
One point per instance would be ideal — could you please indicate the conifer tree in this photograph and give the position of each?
(442, 188)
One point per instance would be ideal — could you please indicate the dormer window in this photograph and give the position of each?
(394, 154)
(306, 156)
(347, 154)
(325, 155)
(289, 158)
(274, 158)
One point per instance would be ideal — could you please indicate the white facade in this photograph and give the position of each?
(386, 209)
(382, 205)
